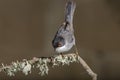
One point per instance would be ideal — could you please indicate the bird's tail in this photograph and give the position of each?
(69, 12)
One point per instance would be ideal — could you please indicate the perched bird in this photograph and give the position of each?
(64, 38)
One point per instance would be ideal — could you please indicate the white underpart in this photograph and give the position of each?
(64, 48)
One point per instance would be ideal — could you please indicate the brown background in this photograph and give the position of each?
(27, 28)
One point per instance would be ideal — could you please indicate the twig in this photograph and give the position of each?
(43, 64)
(88, 69)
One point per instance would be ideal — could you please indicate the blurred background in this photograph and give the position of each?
(27, 28)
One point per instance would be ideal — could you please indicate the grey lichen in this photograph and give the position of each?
(26, 67)
(43, 66)
(41, 63)
(64, 60)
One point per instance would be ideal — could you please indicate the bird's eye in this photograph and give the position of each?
(60, 44)
(58, 41)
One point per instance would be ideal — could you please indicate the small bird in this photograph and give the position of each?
(64, 38)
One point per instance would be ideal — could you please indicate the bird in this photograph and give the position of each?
(64, 38)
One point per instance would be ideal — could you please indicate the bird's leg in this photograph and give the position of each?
(61, 55)
(76, 50)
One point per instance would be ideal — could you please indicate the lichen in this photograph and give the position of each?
(41, 63)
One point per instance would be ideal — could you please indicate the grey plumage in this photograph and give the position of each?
(64, 38)
(69, 12)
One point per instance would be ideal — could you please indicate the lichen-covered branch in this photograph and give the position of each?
(43, 64)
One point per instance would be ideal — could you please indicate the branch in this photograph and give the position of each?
(43, 64)
(88, 69)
